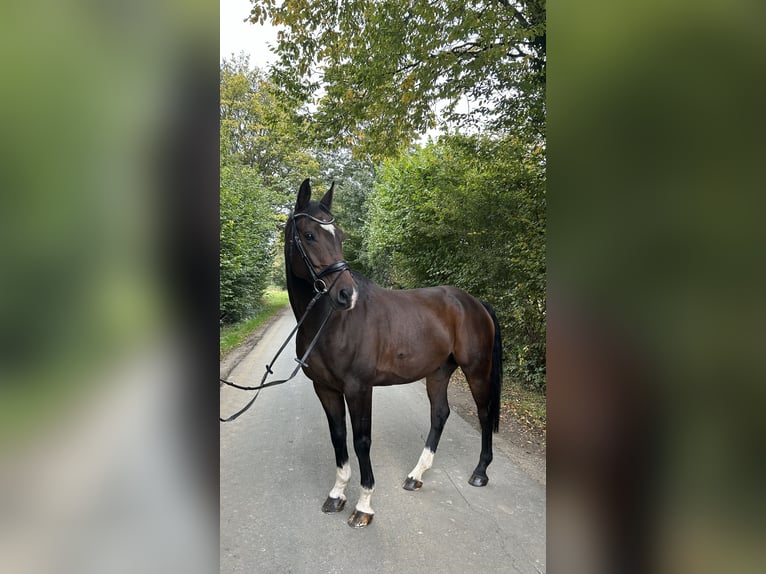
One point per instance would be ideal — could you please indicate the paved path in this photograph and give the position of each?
(277, 466)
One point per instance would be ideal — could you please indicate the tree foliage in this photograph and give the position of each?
(354, 180)
(263, 152)
(262, 128)
(378, 68)
(246, 241)
(470, 212)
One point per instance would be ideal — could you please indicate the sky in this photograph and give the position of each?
(238, 36)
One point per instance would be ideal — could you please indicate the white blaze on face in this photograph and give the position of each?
(354, 297)
(364, 501)
(424, 463)
(329, 227)
(342, 476)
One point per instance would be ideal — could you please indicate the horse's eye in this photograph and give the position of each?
(309, 236)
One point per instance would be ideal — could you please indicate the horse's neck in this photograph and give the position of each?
(301, 294)
(298, 294)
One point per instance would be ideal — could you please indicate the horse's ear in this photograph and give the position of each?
(304, 196)
(327, 198)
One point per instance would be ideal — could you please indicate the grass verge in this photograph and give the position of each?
(525, 406)
(528, 407)
(232, 336)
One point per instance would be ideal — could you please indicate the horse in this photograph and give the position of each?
(367, 336)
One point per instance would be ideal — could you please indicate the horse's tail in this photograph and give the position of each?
(496, 376)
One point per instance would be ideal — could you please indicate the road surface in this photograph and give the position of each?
(277, 466)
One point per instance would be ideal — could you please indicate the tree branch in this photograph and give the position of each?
(518, 15)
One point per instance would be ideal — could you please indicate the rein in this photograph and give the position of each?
(301, 362)
(321, 288)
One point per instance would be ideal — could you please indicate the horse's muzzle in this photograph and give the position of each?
(345, 293)
(344, 298)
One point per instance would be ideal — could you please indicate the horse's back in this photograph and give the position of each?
(453, 305)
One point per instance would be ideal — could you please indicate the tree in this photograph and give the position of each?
(262, 153)
(383, 66)
(247, 233)
(261, 127)
(354, 180)
(469, 211)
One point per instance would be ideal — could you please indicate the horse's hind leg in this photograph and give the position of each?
(481, 394)
(335, 409)
(436, 386)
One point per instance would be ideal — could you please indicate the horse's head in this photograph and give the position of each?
(314, 248)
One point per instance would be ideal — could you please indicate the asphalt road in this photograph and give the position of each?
(277, 466)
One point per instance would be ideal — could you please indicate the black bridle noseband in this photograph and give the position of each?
(319, 284)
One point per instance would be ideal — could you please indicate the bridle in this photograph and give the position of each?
(321, 289)
(338, 266)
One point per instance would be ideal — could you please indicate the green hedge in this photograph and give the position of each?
(248, 229)
(470, 212)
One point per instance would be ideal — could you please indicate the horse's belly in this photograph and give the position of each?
(407, 367)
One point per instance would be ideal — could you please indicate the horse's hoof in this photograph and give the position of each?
(359, 519)
(333, 505)
(478, 480)
(412, 484)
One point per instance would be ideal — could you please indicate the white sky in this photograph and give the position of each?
(238, 36)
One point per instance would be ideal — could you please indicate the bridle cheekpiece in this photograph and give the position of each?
(338, 266)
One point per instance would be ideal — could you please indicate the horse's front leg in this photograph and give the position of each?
(360, 409)
(335, 409)
(436, 386)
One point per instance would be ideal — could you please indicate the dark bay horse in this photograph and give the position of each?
(372, 336)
